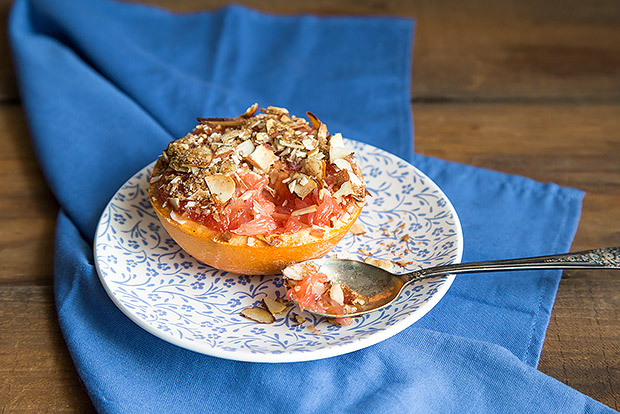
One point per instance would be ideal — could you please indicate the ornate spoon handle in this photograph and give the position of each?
(607, 258)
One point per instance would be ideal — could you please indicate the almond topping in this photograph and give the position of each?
(250, 111)
(262, 157)
(304, 186)
(221, 186)
(305, 210)
(174, 203)
(337, 150)
(313, 120)
(177, 217)
(336, 293)
(245, 148)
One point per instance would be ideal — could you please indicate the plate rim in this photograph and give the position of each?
(294, 356)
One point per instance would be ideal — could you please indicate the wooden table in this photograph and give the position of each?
(525, 87)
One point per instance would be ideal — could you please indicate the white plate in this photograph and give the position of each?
(182, 301)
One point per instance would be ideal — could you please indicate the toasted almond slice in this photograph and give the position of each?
(299, 319)
(277, 110)
(314, 167)
(313, 120)
(174, 203)
(322, 132)
(221, 186)
(177, 217)
(245, 148)
(382, 263)
(222, 121)
(345, 189)
(336, 293)
(249, 112)
(358, 229)
(262, 157)
(342, 164)
(302, 190)
(274, 306)
(294, 272)
(259, 315)
(336, 153)
(305, 210)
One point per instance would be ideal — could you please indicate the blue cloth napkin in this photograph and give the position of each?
(106, 85)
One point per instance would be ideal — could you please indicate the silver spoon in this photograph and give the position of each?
(381, 287)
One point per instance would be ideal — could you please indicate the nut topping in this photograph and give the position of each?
(221, 186)
(225, 160)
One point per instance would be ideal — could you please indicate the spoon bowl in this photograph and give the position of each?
(380, 287)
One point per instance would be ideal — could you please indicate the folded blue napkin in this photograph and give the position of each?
(106, 85)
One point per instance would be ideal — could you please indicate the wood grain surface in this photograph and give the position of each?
(524, 87)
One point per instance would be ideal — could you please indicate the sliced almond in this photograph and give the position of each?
(337, 149)
(358, 229)
(222, 121)
(174, 203)
(322, 132)
(304, 187)
(274, 306)
(382, 263)
(245, 148)
(314, 121)
(259, 315)
(250, 111)
(177, 217)
(262, 157)
(345, 189)
(221, 186)
(305, 210)
(294, 272)
(336, 293)
(299, 319)
(277, 110)
(314, 167)
(342, 164)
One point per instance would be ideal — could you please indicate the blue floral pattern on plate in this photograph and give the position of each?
(164, 290)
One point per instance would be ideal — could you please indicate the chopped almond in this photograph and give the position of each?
(262, 157)
(314, 167)
(245, 148)
(304, 187)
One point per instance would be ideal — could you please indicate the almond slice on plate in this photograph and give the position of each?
(259, 315)
(274, 306)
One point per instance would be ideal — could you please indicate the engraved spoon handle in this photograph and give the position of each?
(607, 258)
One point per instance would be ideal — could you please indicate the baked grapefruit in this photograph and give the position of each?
(258, 192)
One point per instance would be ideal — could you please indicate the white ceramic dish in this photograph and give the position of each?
(182, 301)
